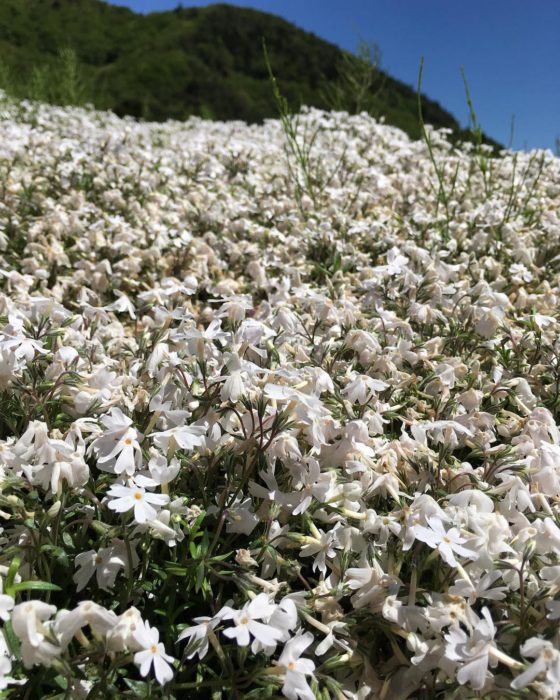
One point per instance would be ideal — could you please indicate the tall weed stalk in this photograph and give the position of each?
(359, 82)
(442, 196)
(298, 147)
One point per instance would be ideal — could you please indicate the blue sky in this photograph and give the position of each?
(510, 50)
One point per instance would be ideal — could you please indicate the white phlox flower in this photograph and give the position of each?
(118, 449)
(296, 670)
(152, 653)
(133, 497)
(447, 542)
(248, 622)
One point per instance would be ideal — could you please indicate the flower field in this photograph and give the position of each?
(278, 411)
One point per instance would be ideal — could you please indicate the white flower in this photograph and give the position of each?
(6, 604)
(105, 564)
(362, 388)
(285, 616)
(121, 305)
(235, 307)
(87, 612)
(121, 636)
(296, 669)
(240, 517)
(5, 668)
(547, 663)
(372, 584)
(448, 543)
(161, 471)
(126, 498)
(183, 437)
(443, 431)
(198, 636)
(233, 387)
(482, 588)
(118, 449)
(159, 527)
(30, 626)
(319, 547)
(247, 622)
(474, 652)
(152, 652)
(27, 619)
(553, 607)
(197, 340)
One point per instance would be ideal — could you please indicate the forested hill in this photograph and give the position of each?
(196, 61)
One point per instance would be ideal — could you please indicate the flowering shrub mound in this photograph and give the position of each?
(275, 426)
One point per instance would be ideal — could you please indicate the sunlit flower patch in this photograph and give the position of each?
(276, 429)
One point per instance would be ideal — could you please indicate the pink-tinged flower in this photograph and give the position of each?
(247, 622)
(448, 543)
(296, 669)
(152, 652)
(126, 498)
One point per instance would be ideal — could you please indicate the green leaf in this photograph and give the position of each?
(197, 523)
(67, 539)
(11, 575)
(200, 573)
(140, 688)
(221, 557)
(61, 682)
(35, 586)
(12, 642)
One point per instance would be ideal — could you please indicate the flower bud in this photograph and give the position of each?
(54, 510)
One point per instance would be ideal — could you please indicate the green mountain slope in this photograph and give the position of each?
(197, 61)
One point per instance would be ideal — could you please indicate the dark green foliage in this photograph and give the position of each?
(190, 61)
(60, 81)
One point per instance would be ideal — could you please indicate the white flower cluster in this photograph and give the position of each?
(298, 421)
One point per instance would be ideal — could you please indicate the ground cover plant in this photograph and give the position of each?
(274, 426)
